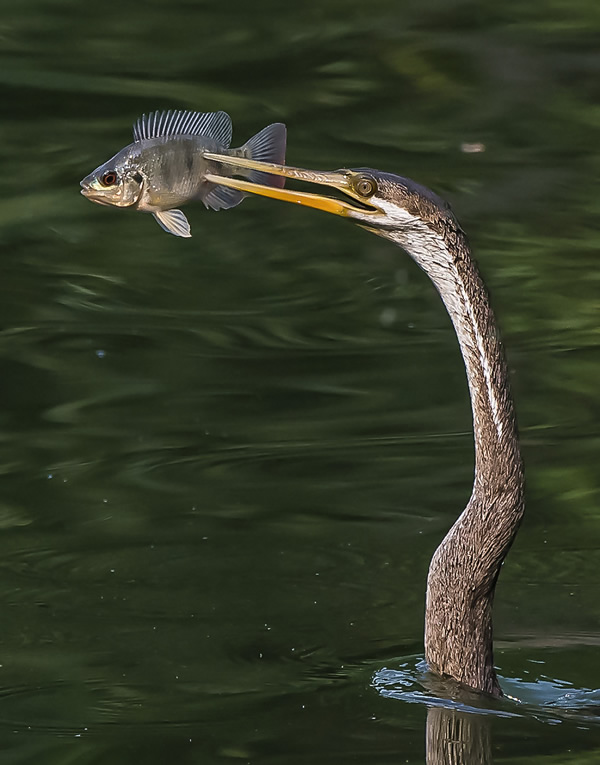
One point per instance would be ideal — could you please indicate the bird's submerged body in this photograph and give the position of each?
(164, 167)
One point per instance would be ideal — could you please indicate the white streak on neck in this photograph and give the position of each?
(485, 365)
(429, 250)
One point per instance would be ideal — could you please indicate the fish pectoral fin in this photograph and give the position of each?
(173, 221)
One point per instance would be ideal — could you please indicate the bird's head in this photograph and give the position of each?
(386, 204)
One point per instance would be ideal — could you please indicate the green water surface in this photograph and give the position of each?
(225, 462)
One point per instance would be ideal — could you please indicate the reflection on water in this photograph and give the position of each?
(225, 463)
(457, 738)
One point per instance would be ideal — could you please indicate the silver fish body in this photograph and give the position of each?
(164, 167)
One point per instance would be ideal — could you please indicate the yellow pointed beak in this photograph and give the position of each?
(341, 180)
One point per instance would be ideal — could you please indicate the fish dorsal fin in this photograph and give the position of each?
(215, 125)
(173, 221)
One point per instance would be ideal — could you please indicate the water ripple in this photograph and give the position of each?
(544, 699)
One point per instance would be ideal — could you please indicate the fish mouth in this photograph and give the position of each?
(348, 182)
(91, 194)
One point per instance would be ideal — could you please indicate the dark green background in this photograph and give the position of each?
(225, 461)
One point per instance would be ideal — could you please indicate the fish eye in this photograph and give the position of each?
(109, 178)
(365, 186)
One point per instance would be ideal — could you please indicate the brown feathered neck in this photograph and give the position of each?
(465, 567)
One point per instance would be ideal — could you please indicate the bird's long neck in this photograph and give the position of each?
(465, 567)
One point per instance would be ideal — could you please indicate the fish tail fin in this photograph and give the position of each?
(266, 146)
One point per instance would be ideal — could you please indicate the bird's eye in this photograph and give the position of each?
(109, 179)
(365, 186)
